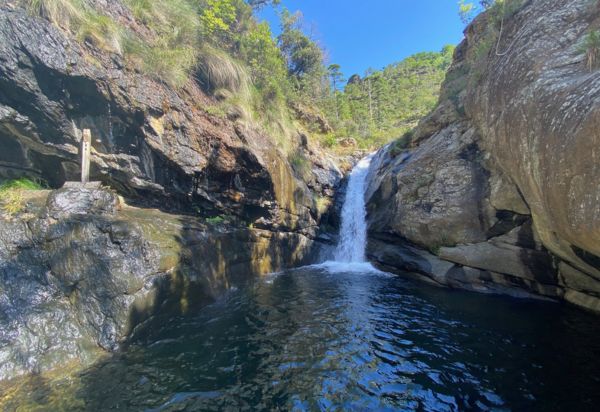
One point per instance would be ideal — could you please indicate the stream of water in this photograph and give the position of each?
(353, 233)
(344, 336)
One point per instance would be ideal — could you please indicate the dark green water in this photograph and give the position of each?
(313, 340)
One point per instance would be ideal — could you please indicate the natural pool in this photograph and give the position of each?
(318, 339)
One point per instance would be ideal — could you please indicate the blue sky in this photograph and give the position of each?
(358, 34)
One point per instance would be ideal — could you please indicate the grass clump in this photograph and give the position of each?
(171, 65)
(170, 53)
(215, 220)
(402, 144)
(12, 200)
(78, 17)
(591, 48)
(218, 70)
(300, 164)
(63, 13)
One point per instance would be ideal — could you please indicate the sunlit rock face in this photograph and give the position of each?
(502, 180)
(154, 144)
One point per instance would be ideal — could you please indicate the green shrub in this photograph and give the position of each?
(591, 48)
(215, 220)
(11, 194)
(402, 144)
(300, 164)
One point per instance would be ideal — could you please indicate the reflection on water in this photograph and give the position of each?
(315, 339)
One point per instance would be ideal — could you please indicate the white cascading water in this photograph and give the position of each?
(353, 233)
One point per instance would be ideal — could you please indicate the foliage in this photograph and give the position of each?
(382, 105)
(591, 48)
(266, 62)
(217, 17)
(215, 220)
(303, 55)
(402, 144)
(304, 59)
(11, 194)
(221, 46)
(257, 4)
(300, 164)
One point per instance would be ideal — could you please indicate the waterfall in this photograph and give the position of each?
(353, 233)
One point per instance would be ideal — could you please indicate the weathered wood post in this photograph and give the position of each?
(86, 147)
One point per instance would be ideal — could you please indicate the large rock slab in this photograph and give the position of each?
(81, 200)
(398, 256)
(537, 107)
(434, 195)
(503, 176)
(503, 258)
(78, 282)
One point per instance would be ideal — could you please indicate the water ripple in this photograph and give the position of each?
(319, 339)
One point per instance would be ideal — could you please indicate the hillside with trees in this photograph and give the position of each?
(279, 82)
(385, 104)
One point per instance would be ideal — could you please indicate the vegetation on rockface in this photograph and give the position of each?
(591, 48)
(11, 194)
(281, 83)
(497, 12)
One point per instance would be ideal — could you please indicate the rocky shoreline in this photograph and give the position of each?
(81, 271)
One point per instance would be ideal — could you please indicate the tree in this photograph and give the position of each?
(216, 17)
(267, 65)
(304, 56)
(336, 76)
(258, 4)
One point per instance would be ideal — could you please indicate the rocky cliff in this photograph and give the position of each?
(154, 144)
(80, 272)
(217, 198)
(498, 189)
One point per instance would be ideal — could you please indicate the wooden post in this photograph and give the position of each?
(86, 147)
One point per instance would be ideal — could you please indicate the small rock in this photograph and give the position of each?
(76, 201)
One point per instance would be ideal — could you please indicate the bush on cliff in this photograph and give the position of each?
(11, 194)
(591, 48)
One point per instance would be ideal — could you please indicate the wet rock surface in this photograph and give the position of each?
(79, 276)
(68, 280)
(80, 272)
(81, 200)
(153, 144)
(501, 180)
